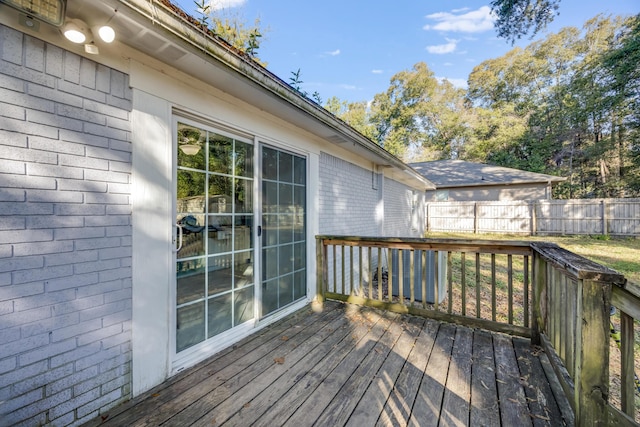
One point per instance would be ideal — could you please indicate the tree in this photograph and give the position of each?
(516, 18)
(623, 66)
(575, 92)
(231, 27)
(496, 136)
(356, 114)
(417, 117)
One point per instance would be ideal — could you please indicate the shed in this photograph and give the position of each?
(457, 180)
(159, 201)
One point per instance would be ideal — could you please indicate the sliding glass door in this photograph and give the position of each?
(215, 217)
(283, 242)
(215, 223)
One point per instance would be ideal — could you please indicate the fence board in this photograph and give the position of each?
(619, 217)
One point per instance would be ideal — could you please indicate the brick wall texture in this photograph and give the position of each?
(403, 210)
(65, 234)
(350, 199)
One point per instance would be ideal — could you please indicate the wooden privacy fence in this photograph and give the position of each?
(619, 217)
(559, 299)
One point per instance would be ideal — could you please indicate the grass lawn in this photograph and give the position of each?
(622, 255)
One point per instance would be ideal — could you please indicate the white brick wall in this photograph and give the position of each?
(65, 234)
(349, 204)
(403, 218)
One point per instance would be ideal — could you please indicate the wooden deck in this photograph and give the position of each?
(356, 366)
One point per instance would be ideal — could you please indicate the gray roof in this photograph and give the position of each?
(458, 173)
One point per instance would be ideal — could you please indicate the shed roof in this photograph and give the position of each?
(458, 173)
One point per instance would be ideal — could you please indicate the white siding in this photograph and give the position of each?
(65, 234)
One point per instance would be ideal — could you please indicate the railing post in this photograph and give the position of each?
(321, 271)
(592, 353)
(539, 298)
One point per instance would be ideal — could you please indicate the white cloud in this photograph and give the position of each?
(441, 49)
(475, 21)
(377, 71)
(448, 64)
(334, 53)
(348, 87)
(225, 4)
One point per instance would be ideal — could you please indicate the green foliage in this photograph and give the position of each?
(576, 119)
(203, 8)
(230, 27)
(517, 18)
(295, 81)
(237, 34)
(419, 117)
(356, 114)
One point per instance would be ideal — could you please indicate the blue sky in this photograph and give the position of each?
(351, 49)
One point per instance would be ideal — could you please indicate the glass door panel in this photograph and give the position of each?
(214, 216)
(283, 229)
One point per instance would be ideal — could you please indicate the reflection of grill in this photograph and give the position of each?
(192, 245)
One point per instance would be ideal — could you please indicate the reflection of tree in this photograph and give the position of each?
(220, 186)
(244, 195)
(190, 184)
(243, 159)
(220, 153)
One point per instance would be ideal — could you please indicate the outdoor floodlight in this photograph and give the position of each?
(49, 11)
(76, 31)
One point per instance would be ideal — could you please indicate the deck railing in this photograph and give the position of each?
(559, 299)
(572, 317)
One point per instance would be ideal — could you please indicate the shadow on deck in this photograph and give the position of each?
(352, 365)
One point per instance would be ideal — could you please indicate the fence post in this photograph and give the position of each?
(475, 217)
(532, 218)
(605, 228)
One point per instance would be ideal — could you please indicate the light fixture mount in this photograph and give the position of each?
(49, 11)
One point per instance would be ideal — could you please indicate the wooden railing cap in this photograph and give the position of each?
(578, 266)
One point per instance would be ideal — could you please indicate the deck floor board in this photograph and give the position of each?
(357, 366)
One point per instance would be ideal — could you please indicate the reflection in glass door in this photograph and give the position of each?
(214, 266)
(283, 229)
